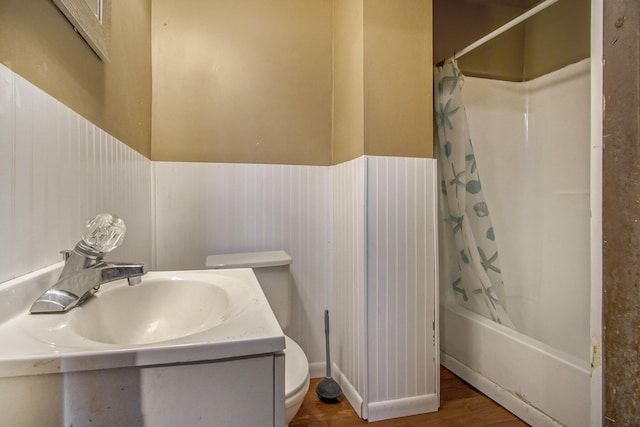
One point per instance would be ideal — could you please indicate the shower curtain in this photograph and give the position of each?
(471, 257)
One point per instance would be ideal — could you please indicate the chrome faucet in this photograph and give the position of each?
(85, 269)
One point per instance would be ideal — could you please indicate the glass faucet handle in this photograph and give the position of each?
(104, 233)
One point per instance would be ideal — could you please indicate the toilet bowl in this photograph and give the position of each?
(296, 378)
(272, 271)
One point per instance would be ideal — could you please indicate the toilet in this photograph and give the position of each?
(272, 270)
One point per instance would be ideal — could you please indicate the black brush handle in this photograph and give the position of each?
(326, 336)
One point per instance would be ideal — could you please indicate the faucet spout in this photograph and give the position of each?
(85, 269)
(75, 288)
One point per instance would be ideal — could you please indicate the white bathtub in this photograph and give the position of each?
(539, 384)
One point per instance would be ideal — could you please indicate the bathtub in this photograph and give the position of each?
(541, 385)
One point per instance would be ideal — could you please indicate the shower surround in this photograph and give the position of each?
(532, 147)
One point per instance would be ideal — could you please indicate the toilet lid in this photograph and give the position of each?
(296, 367)
(248, 260)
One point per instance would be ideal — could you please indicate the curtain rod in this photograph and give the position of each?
(529, 13)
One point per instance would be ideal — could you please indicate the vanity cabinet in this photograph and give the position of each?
(236, 392)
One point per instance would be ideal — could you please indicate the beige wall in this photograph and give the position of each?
(348, 80)
(398, 78)
(249, 81)
(382, 79)
(457, 23)
(242, 81)
(291, 82)
(554, 38)
(38, 43)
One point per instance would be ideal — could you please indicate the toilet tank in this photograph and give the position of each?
(272, 270)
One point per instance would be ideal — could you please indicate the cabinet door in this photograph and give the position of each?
(223, 394)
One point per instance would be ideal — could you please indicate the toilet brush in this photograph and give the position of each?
(328, 390)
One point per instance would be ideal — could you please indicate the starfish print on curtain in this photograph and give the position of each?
(473, 262)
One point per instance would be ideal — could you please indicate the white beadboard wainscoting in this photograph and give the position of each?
(349, 286)
(57, 170)
(385, 285)
(213, 208)
(402, 291)
(362, 238)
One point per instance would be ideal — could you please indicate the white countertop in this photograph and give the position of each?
(46, 344)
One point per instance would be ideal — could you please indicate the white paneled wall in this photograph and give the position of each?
(362, 238)
(212, 208)
(57, 170)
(349, 286)
(402, 296)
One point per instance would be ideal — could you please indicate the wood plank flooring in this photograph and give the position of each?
(461, 405)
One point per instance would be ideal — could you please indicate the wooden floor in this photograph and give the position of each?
(460, 406)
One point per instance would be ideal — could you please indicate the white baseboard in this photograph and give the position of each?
(377, 411)
(403, 407)
(350, 392)
(504, 398)
(317, 370)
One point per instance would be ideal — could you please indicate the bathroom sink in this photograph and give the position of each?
(134, 350)
(159, 309)
(169, 317)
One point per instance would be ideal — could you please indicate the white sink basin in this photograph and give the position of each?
(170, 317)
(159, 309)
